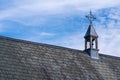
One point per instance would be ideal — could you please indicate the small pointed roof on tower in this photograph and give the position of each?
(91, 30)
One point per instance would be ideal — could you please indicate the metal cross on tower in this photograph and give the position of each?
(90, 17)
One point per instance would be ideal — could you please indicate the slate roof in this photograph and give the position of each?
(91, 31)
(25, 60)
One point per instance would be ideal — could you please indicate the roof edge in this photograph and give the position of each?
(40, 44)
(53, 46)
(109, 56)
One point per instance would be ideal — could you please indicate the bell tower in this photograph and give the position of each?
(91, 39)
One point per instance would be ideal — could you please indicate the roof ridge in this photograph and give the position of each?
(110, 56)
(52, 46)
(41, 44)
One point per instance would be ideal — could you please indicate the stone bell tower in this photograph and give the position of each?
(91, 39)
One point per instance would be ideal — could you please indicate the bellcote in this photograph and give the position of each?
(91, 39)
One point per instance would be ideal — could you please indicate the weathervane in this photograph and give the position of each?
(90, 17)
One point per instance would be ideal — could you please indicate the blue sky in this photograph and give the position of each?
(62, 22)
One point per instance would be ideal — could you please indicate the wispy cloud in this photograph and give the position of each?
(26, 8)
(109, 41)
(75, 41)
(46, 34)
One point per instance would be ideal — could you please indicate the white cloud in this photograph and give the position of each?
(109, 40)
(75, 41)
(37, 7)
(46, 34)
(41, 37)
(24, 10)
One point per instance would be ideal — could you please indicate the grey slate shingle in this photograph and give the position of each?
(25, 60)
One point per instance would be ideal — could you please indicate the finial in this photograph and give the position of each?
(90, 17)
